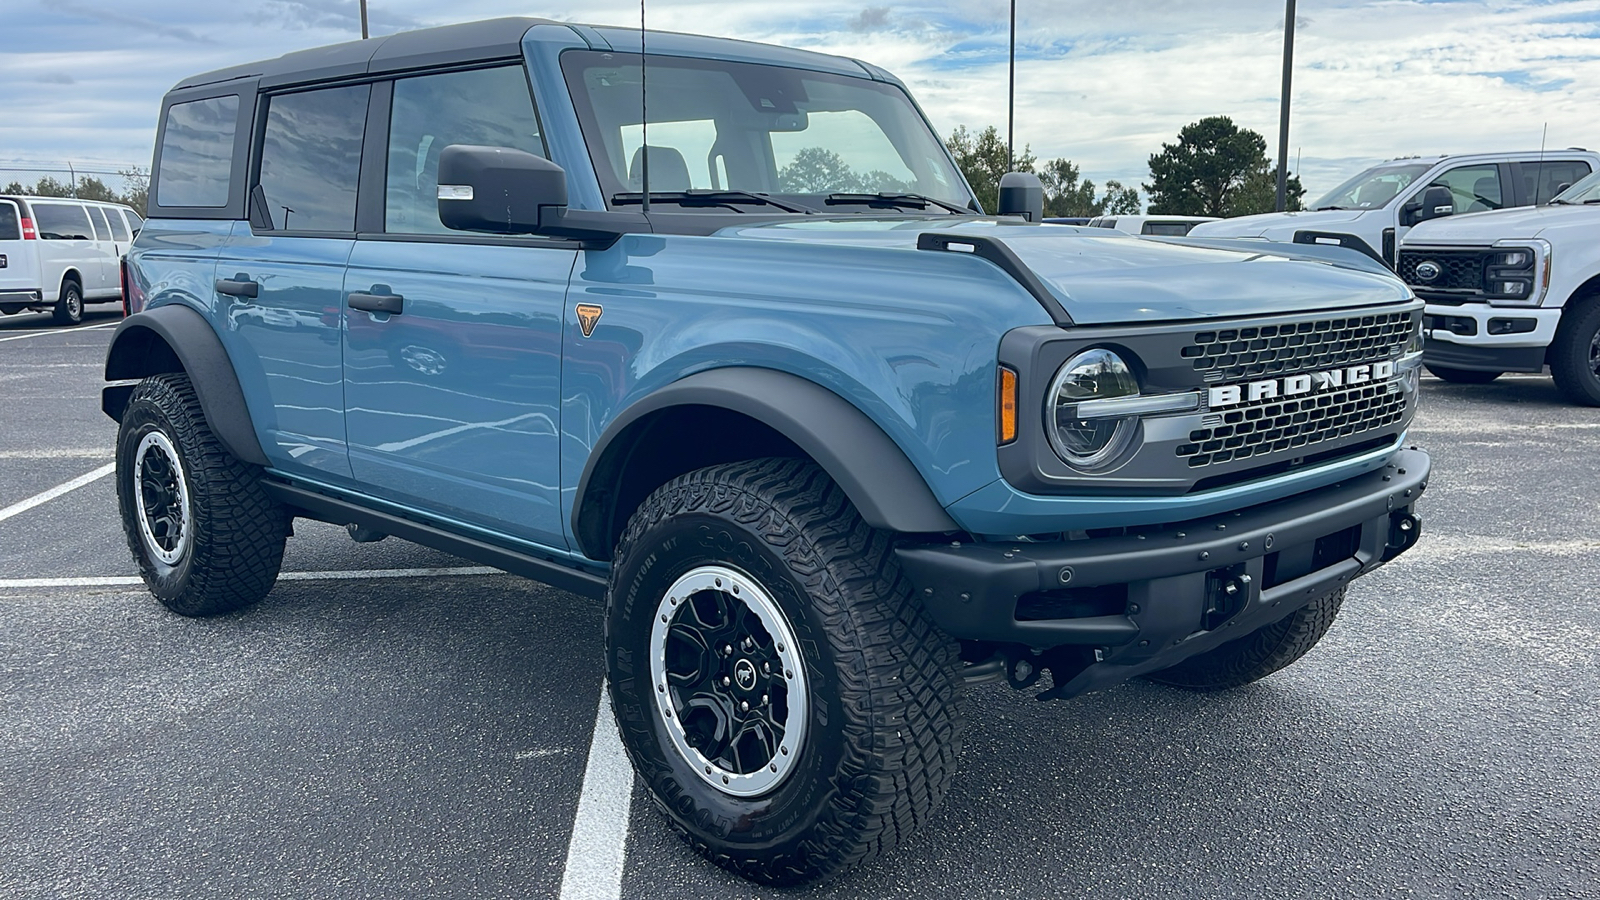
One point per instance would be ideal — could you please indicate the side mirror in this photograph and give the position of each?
(497, 189)
(1437, 202)
(1022, 194)
(1561, 189)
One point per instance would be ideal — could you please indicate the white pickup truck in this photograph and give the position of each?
(1513, 291)
(1373, 211)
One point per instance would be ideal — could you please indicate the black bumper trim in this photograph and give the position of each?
(1483, 359)
(972, 589)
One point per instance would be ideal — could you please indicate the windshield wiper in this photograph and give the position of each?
(708, 197)
(895, 200)
(1587, 202)
(1321, 208)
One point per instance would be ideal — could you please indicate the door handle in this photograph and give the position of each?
(384, 303)
(239, 285)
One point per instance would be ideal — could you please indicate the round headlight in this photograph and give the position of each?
(1094, 442)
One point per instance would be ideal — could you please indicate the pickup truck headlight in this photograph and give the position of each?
(1517, 274)
(1082, 440)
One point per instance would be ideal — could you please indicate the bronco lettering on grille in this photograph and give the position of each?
(1306, 383)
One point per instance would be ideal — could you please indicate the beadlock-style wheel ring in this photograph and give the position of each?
(161, 498)
(728, 679)
(1594, 354)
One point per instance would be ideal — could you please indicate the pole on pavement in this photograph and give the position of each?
(1283, 108)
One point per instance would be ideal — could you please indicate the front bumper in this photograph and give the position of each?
(1147, 599)
(1488, 338)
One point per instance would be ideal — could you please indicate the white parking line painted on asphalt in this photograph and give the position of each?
(76, 453)
(357, 574)
(58, 490)
(18, 337)
(599, 842)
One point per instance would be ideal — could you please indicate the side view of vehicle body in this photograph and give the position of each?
(1513, 291)
(57, 254)
(759, 375)
(1372, 211)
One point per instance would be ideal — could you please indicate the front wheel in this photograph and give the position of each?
(207, 538)
(1575, 355)
(1258, 654)
(1462, 376)
(787, 702)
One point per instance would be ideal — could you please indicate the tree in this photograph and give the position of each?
(1216, 169)
(138, 193)
(1064, 194)
(983, 159)
(1118, 200)
(90, 188)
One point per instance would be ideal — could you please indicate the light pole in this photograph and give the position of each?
(1283, 109)
(363, 19)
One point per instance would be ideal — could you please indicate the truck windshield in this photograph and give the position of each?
(1585, 191)
(758, 129)
(1373, 188)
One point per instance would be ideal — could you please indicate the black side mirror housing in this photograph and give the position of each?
(1022, 194)
(1436, 203)
(504, 191)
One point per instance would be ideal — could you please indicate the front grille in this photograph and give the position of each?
(1460, 270)
(1294, 347)
(1287, 424)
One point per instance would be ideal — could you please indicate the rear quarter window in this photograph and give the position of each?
(197, 153)
(10, 222)
(62, 222)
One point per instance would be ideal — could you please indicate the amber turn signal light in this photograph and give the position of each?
(1008, 405)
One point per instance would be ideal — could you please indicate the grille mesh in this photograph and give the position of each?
(1287, 349)
(1286, 424)
(1462, 269)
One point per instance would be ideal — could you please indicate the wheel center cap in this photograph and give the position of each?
(744, 674)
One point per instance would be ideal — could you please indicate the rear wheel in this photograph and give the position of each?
(69, 307)
(1575, 355)
(1258, 654)
(1463, 376)
(206, 537)
(786, 701)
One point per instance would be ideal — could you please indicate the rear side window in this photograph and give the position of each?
(1540, 180)
(311, 158)
(62, 222)
(97, 223)
(491, 107)
(197, 153)
(10, 222)
(119, 229)
(1167, 228)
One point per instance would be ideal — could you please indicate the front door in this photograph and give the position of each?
(452, 360)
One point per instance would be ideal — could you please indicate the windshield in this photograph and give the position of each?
(1585, 191)
(1373, 188)
(726, 126)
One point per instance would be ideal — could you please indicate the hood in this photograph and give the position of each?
(1278, 226)
(1499, 224)
(1101, 276)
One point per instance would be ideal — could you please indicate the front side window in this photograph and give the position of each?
(10, 222)
(488, 107)
(1475, 188)
(311, 158)
(62, 222)
(1372, 189)
(763, 129)
(134, 221)
(197, 153)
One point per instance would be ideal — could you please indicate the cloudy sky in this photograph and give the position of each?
(1102, 82)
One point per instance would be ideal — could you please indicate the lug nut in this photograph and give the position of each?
(744, 706)
(726, 681)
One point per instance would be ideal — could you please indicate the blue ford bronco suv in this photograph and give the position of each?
(756, 372)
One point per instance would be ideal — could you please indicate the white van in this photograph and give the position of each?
(1171, 226)
(1373, 211)
(58, 254)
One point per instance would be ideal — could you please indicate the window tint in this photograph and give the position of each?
(10, 226)
(1167, 228)
(1475, 188)
(134, 221)
(311, 156)
(119, 231)
(97, 221)
(491, 107)
(1540, 179)
(197, 153)
(61, 222)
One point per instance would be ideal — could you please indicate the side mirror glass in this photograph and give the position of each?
(1021, 194)
(497, 189)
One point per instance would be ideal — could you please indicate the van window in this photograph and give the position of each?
(1540, 179)
(119, 230)
(197, 153)
(311, 158)
(1475, 188)
(134, 221)
(61, 222)
(10, 222)
(97, 222)
(490, 107)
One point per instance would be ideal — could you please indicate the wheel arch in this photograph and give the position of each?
(767, 413)
(175, 338)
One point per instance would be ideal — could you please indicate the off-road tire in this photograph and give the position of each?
(237, 532)
(1575, 353)
(1258, 654)
(69, 306)
(1462, 376)
(884, 726)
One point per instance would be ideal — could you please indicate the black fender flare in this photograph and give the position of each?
(872, 470)
(175, 338)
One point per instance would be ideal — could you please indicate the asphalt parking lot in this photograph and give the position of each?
(394, 722)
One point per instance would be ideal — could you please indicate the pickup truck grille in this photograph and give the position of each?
(1460, 270)
(1274, 425)
(1294, 347)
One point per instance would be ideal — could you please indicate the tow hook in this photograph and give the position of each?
(1404, 530)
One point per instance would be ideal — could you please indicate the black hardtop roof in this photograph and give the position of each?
(488, 39)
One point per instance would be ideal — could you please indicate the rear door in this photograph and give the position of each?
(106, 254)
(66, 244)
(19, 270)
(1538, 181)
